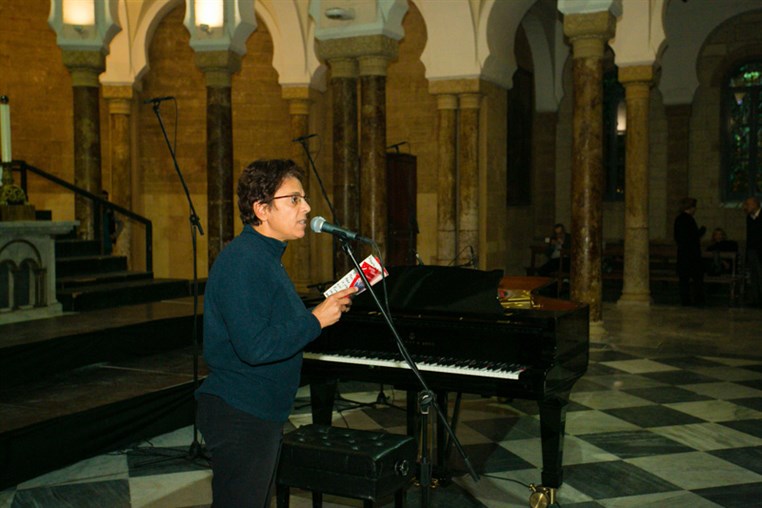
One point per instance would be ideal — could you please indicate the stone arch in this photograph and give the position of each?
(22, 274)
(542, 59)
(496, 36)
(146, 26)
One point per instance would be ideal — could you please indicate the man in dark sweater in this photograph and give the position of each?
(689, 269)
(255, 327)
(754, 249)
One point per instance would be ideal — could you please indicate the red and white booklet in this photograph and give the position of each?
(370, 266)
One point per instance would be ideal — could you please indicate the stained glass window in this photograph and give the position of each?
(742, 112)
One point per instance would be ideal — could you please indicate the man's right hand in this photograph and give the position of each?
(329, 311)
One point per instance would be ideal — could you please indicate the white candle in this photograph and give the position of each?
(5, 128)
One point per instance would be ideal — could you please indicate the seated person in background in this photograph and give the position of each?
(719, 243)
(558, 243)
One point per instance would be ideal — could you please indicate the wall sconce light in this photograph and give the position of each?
(621, 117)
(79, 13)
(340, 13)
(209, 14)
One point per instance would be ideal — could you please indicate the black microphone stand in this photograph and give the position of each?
(304, 140)
(426, 398)
(196, 449)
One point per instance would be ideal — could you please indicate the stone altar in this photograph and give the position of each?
(28, 269)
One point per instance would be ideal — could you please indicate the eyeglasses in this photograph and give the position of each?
(296, 199)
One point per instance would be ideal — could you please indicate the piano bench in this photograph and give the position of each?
(351, 463)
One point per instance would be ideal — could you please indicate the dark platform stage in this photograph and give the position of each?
(79, 385)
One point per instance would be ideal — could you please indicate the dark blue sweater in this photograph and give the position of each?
(255, 327)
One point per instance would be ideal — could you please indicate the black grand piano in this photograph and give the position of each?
(463, 341)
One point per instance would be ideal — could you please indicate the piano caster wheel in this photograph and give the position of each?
(541, 497)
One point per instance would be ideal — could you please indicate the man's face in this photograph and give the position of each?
(750, 206)
(559, 232)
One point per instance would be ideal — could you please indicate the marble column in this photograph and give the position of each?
(346, 164)
(119, 100)
(218, 66)
(588, 34)
(447, 141)
(637, 83)
(468, 178)
(85, 67)
(297, 259)
(373, 212)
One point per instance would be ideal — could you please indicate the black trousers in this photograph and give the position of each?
(691, 276)
(244, 451)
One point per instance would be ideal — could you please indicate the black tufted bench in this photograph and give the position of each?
(345, 462)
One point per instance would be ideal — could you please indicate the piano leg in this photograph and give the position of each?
(322, 395)
(552, 425)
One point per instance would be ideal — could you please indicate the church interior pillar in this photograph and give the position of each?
(637, 83)
(218, 66)
(85, 67)
(588, 34)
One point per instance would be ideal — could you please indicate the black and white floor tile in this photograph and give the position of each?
(643, 430)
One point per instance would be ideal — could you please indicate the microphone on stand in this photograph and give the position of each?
(303, 138)
(319, 225)
(156, 100)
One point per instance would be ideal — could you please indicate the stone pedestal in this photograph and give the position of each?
(637, 82)
(28, 269)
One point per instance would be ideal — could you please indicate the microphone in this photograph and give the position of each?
(157, 100)
(303, 138)
(319, 225)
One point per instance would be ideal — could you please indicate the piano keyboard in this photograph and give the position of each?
(497, 370)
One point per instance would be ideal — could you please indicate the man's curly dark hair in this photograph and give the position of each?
(259, 181)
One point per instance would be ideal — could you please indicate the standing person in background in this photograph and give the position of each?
(688, 235)
(558, 246)
(754, 249)
(255, 327)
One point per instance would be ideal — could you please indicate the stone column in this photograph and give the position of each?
(218, 66)
(85, 67)
(588, 34)
(346, 164)
(468, 178)
(637, 82)
(373, 213)
(297, 259)
(447, 130)
(119, 100)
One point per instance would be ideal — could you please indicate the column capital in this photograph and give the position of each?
(636, 74)
(343, 67)
(373, 65)
(119, 98)
(218, 66)
(84, 66)
(589, 32)
(447, 101)
(299, 98)
(455, 86)
(360, 46)
(469, 100)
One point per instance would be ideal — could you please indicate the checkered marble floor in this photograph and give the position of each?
(673, 430)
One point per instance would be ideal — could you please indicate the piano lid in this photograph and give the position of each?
(433, 289)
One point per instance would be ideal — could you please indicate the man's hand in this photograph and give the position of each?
(329, 311)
